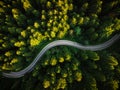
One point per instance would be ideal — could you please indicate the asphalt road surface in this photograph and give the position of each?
(59, 43)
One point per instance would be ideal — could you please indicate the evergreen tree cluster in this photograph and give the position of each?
(26, 26)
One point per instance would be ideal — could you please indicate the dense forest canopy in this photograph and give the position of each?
(26, 26)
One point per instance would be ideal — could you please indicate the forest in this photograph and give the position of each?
(28, 27)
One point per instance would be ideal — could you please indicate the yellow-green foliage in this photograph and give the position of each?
(26, 26)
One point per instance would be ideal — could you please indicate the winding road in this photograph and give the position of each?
(59, 43)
